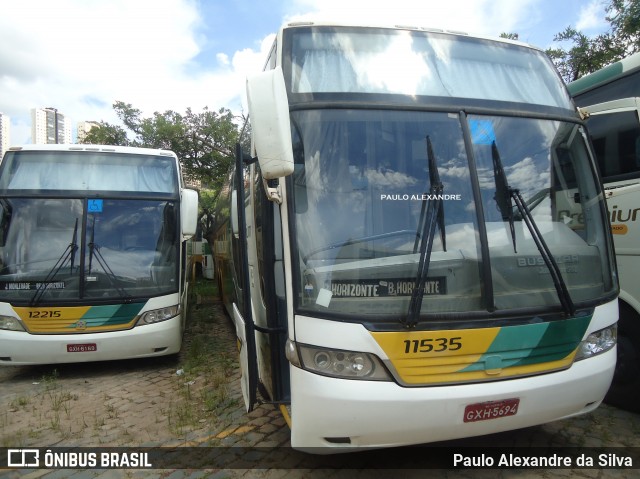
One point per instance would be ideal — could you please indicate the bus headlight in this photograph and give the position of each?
(10, 323)
(598, 342)
(158, 315)
(342, 364)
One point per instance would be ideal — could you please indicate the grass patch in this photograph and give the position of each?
(205, 365)
(204, 287)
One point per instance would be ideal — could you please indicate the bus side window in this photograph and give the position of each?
(616, 141)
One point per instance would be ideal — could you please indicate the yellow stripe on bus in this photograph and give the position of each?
(54, 320)
(455, 356)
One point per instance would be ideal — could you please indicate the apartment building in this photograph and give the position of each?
(48, 126)
(5, 133)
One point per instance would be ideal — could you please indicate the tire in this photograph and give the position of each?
(624, 392)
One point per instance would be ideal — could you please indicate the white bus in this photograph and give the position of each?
(611, 99)
(396, 260)
(93, 253)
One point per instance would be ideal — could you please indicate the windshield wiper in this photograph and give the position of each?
(504, 195)
(68, 253)
(94, 250)
(431, 215)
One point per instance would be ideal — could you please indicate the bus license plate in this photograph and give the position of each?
(491, 410)
(81, 348)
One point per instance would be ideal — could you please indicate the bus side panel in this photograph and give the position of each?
(624, 210)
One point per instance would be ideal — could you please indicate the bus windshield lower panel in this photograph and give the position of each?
(67, 250)
(362, 190)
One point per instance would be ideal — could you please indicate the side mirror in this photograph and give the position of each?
(189, 212)
(270, 124)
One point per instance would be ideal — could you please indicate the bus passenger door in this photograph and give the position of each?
(248, 392)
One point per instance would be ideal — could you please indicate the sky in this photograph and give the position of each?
(80, 56)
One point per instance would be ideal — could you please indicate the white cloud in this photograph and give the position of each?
(592, 17)
(82, 55)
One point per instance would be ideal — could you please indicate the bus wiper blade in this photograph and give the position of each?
(525, 213)
(94, 250)
(427, 226)
(68, 253)
(434, 179)
(74, 245)
(503, 193)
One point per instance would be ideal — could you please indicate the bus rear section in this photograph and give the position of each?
(93, 254)
(400, 263)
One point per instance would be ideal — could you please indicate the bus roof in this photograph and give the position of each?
(328, 23)
(605, 75)
(94, 148)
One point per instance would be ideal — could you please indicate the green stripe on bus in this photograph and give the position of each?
(112, 315)
(532, 344)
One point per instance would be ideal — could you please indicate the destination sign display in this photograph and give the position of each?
(364, 288)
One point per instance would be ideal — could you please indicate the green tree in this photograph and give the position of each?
(204, 142)
(624, 17)
(106, 134)
(586, 55)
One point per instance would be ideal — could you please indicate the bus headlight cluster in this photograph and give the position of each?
(598, 342)
(340, 364)
(158, 315)
(10, 323)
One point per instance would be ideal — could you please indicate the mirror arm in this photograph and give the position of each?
(272, 190)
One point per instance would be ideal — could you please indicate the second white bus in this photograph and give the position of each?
(93, 253)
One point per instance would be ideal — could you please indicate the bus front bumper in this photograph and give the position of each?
(20, 348)
(332, 415)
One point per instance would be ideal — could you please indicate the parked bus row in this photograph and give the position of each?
(407, 256)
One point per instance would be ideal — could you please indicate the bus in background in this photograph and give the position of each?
(200, 257)
(610, 98)
(93, 251)
(395, 260)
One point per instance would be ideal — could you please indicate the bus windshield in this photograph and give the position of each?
(87, 226)
(417, 63)
(362, 186)
(65, 170)
(128, 249)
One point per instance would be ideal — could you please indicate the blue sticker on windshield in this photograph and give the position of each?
(482, 132)
(94, 206)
